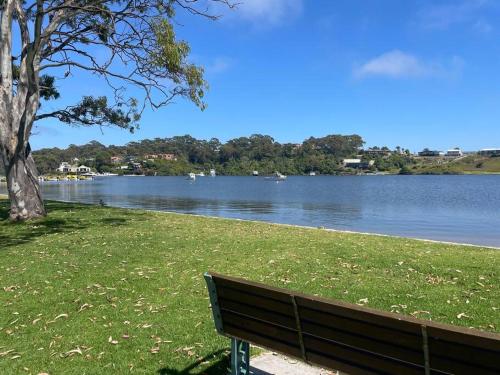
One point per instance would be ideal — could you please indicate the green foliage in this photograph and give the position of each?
(171, 55)
(95, 111)
(238, 156)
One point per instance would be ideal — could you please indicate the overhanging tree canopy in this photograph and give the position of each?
(43, 41)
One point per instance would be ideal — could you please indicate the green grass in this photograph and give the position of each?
(471, 164)
(479, 164)
(92, 290)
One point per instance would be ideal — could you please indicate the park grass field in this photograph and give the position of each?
(97, 290)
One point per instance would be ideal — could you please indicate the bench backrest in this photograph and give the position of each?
(347, 337)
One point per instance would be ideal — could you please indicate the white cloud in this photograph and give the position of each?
(444, 16)
(397, 64)
(269, 12)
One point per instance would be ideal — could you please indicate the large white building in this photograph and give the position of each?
(456, 152)
(357, 163)
(65, 167)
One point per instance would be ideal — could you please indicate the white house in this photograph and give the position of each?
(456, 152)
(351, 162)
(65, 167)
(357, 163)
(83, 169)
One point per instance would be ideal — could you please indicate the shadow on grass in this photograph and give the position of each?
(218, 368)
(13, 234)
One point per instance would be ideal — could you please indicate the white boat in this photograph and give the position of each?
(255, 173)
(201, 174)
(277, 177)
(212, 172)
(106, 174)
(312, 173)
(191, 176)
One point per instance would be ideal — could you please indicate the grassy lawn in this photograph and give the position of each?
(93, 290)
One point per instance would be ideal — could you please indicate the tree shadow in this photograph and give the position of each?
(18, 233)
(220, 367)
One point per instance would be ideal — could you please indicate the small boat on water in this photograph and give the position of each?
(255, 173)
(191, 176)
(312, 173)
(277, 177)
(201, 174)
(212, 172)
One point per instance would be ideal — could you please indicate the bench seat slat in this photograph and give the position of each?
(256, 300)
(258, 312)
(365, 328)
(482, 340)
(459, 368)
(272, 331)
(251, 288)
(371, 361)
(464, 353)
(369, 344)
(354, 312)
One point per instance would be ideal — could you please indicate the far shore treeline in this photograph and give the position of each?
(239, 156)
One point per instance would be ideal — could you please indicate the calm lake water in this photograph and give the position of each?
(449, 208)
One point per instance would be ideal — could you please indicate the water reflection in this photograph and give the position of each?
(451, 208)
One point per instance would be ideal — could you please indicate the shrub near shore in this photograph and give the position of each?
(97, 290)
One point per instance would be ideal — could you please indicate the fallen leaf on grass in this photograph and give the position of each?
(72, 352)
(6, 352)
(111, 341)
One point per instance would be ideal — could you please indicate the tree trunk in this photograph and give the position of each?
(24, 190)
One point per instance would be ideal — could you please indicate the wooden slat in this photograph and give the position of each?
(365, 328)
(375, 318)
(464, 353)
(363, 360)
(258, 312)
(465, 336)
(251, 288)
(457, 368)
(263, 341)
(258, 301)
(272, 331)
(358, 340)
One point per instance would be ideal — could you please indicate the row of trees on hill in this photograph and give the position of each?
(238, 156)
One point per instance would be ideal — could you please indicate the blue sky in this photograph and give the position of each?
(410, 73)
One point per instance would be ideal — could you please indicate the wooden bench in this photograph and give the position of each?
(342, 336)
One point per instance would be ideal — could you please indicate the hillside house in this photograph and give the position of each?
(357, 163)
(456, 152)
(490, 152)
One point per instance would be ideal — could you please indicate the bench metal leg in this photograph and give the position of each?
(240, 357)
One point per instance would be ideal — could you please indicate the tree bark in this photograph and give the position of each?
(24, 189)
